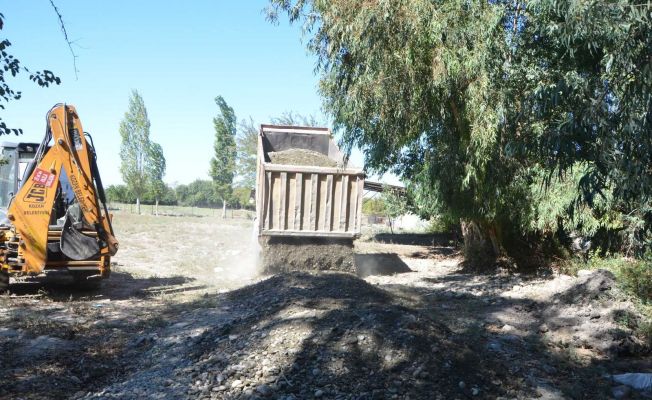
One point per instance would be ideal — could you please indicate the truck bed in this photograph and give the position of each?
(306, 201)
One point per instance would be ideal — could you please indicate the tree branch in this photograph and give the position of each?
(65, 36)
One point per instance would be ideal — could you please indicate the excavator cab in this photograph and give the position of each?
(14, 160)
(53, 215)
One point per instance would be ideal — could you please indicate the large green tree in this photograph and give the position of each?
(222, 167)
(135, 147)
(472, 101)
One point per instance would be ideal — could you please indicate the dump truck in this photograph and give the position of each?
(308, 200)
(53, 215)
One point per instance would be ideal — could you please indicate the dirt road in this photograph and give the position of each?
(185, 316)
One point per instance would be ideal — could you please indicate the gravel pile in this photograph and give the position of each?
(301, 157)
(591, 315)
(305, 336)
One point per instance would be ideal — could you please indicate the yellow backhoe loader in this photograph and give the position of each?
(53, 215)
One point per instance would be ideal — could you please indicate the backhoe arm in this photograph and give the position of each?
(31, 210)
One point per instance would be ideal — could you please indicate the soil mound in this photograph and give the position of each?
(303, 336)
(590, 314)
(301, 157)
(589, 287)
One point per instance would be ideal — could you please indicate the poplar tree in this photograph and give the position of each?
(222, 166)
(155, 172)
(135, 147)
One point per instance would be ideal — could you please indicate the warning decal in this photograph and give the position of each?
(43, 177)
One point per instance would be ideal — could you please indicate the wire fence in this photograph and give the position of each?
(181, 211)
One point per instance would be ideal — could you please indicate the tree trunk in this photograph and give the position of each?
(156, 208)
(391, 224)
(481, 244)
(138, 205)
(223, 209)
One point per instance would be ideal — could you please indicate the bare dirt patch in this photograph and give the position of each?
(59, 340)
(552, 336)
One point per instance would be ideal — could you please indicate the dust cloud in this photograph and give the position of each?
(239, 266)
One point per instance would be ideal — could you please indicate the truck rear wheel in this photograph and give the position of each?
(4, 281)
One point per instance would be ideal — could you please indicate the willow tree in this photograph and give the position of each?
(473, 99)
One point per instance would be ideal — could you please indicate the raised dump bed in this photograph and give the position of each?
(306, 200)
(306, 196)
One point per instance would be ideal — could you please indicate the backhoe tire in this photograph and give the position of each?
(4, 281)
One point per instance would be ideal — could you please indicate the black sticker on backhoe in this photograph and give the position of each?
(36, 194)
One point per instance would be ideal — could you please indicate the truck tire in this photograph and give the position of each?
(4, 281)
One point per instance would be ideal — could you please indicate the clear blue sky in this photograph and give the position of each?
(178, 55)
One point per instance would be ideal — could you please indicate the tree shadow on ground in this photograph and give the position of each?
(337, 336)
(48, 348)
(341, 336)
(449, 334)
(119, 286)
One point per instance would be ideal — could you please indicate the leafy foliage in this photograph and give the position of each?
(222, 167)
(242, 197)
(156, 170)
(10, 65)
(515, 116)
(291, 118)
(247, 149)
(588, 91)
(135, 147)
(395, 205)
(121, 194)
(374, 206)
(199, 193)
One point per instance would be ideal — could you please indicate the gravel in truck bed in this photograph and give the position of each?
(301, 157)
